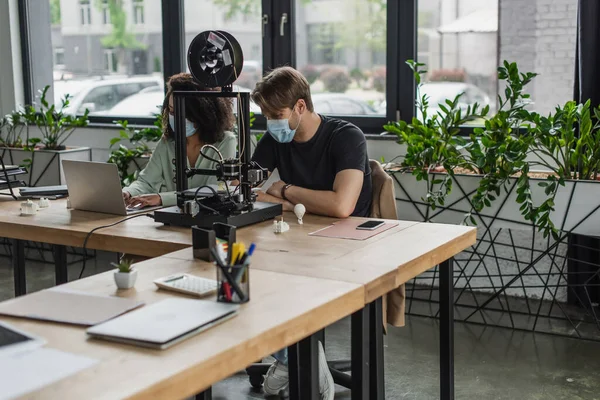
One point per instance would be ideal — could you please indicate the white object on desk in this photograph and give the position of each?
(126, 280)
(274, 177)
(280, 226)
(29, 208)
(27, 371)
(44, 202)
(299, 210)
(188, 284)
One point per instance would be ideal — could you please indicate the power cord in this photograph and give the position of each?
(203, 205)
(87, 237)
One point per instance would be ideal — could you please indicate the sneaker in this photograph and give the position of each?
(277, 380)
(326, 385)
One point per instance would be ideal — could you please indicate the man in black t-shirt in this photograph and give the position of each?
(322, 164)
(322, 161)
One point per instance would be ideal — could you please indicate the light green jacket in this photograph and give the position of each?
(159, 174)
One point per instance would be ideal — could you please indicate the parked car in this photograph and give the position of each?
(340, 104)
(149, 101)
(99, 96)
(438, 92)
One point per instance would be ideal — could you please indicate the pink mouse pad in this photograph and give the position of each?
(346, 229)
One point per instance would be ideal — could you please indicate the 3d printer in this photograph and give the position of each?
(215, 60)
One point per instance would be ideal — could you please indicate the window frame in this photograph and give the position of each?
(85, 9)
(280, 50)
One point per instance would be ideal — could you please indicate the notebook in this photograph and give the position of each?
(68, 306)
(165, 323)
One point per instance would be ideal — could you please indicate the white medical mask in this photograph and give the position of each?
(190, 129)
(280, 129)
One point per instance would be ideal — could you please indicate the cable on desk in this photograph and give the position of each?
(87, 237)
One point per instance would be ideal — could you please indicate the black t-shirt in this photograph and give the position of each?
(337, 145)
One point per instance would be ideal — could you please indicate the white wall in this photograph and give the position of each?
(11, 77)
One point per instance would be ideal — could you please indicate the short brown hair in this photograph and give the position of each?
(282, 88)
(212, 115)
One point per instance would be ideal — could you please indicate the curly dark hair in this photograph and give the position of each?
(212, 116)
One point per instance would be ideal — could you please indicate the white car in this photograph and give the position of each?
(99, 96)
(439, 92)
(149, 102)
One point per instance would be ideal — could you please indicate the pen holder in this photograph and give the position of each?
(233, 284)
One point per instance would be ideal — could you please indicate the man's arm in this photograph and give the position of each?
(339, 202)
(267, 198)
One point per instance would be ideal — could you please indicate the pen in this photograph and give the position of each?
(227, 275)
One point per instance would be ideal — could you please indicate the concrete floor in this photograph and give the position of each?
(490, 363)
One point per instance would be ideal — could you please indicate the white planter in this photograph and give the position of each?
(577, 204)
(126, 280)
(46, 169)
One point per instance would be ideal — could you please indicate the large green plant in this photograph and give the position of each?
(433, 141)
(125, 157)
(55, 126)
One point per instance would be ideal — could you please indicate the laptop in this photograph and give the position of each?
(13, 340)
(95, 186)
(165, 323)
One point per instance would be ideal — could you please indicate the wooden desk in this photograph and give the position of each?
(284, 310)
(379, 264)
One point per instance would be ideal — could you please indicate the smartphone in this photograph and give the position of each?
(370, 225)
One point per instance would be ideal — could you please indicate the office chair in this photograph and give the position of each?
(383, 205)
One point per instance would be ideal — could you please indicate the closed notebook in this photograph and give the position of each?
(162, 324)
(68, 306)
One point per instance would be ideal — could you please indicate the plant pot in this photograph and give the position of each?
(126, 280)
(46, 168)
(576, 210)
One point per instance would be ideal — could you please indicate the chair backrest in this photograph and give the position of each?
(383, 203)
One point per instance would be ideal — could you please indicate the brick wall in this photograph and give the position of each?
(540, 36)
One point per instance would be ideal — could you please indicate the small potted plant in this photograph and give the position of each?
(125, 275)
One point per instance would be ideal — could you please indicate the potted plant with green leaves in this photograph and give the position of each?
(43, 148)
(125, 275)
(520, 170)
(130, 160)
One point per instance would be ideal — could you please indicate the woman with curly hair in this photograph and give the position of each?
(208, 121)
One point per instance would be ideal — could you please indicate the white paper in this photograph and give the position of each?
(269, 182)
(31, 370)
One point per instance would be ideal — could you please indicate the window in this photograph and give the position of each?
(59, 57)
(85, 12)
(463, 43)
(138, 12)
(105, 12)
(111, 63)
(341, 50)
(86, 59)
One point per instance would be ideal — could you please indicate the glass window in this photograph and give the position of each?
(463, 42)
(85, 12)
(138, 12)
(109, 47)
(105, 12)
(341, 50)
(243, 22)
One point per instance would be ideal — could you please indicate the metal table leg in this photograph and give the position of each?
(206, 395)
(446, 331)
(18, 262)
(60, 264)
(303, 366)
(360, 353)
(377, 377)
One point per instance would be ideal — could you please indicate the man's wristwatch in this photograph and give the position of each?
(283, 189)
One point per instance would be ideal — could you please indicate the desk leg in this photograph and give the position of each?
(377, 391)
(360, 353)
(446, 331)
(18, 262)
(303, 366)
(60, 264)
(206, 395)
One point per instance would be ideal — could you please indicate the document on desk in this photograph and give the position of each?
(346, 229)
(274, 177)
(25, 372)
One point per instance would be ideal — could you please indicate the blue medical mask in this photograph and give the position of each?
(190, 129)
(280, 129)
